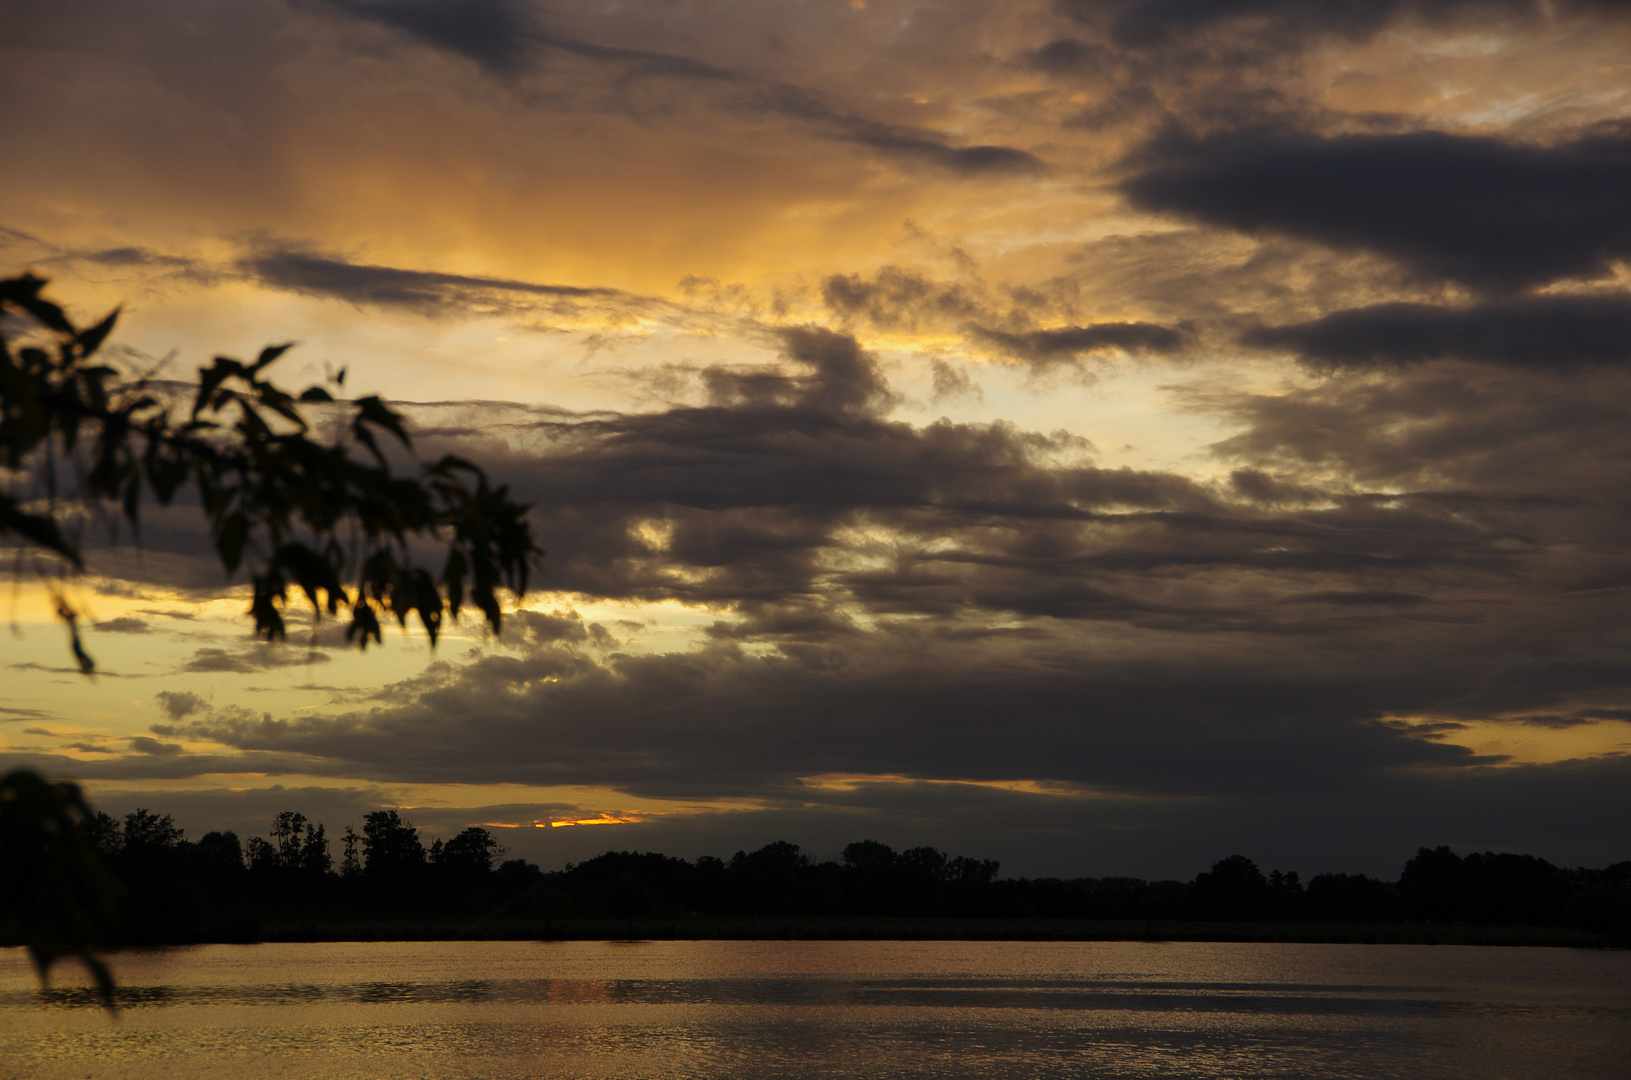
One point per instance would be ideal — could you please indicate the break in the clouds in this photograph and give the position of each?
(1099, 436)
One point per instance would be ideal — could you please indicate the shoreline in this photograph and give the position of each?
(840, 928)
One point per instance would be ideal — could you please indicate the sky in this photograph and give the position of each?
(1098, 435)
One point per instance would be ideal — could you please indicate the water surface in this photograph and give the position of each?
(505, 1010)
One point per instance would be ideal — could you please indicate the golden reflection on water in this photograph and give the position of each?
(506, 1010)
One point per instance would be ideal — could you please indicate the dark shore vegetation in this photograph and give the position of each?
(298, 883)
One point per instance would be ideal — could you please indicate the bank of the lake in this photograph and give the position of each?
(705, 928)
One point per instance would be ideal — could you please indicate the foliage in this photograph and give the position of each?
(327, 519)
(56, 898)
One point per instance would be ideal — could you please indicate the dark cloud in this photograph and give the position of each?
(506, 37)
(953, 382)
(1071, 56)
(897, 298)
(1148, 24)
(531, 629)
(501, 35)
(930, 148)
(1512, 445)
(1479, 210)
(253, 658)
(101, 673)
(1544, 332)
(1065, 344)
(137, 258)
(719, 722)
(124, 625)
(179, 704)
(141, 744)
(1359, 598)
(1199, 742)
(317, 274)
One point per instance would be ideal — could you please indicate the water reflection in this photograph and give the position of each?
(794, 1009)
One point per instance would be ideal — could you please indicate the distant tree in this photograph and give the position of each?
(973, 872)
(287, 833)
(1433, 885)
(393, 853)
(315, 860)
(147, 831)
(868, 855)
(769, 881)
(1233, 889)
(350, 864)
(470, 852)
(1351, 898)
(928, 861)
(221, 853)
(627, 897)
(262, 857)
(103, 833)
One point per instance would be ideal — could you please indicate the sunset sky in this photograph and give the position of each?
(1098, 435)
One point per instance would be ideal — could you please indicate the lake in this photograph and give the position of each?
(503, 1010)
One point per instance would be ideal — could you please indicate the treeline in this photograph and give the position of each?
(219, 888)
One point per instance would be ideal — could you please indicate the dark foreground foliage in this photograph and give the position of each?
(298, 488)
(386, 882)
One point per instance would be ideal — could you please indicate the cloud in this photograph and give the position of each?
(501, 35)
(316, 274)
(1549, 332)
(1483, 211)
(141, 744)
(124, 625)
(894, 297)
(505, 37)
(1066, 344)
(254, 658)
(951, 383)
(716, 722)
(179, 704)
(897, 140)
(1149, 24)
(53, 669)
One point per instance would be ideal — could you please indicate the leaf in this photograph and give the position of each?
(91, 340)
(37, 528)
(371, 410)
(211, 378)
(25, 293)
(269, 354)
(364, 625)
(230, 541)
(104, 978)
